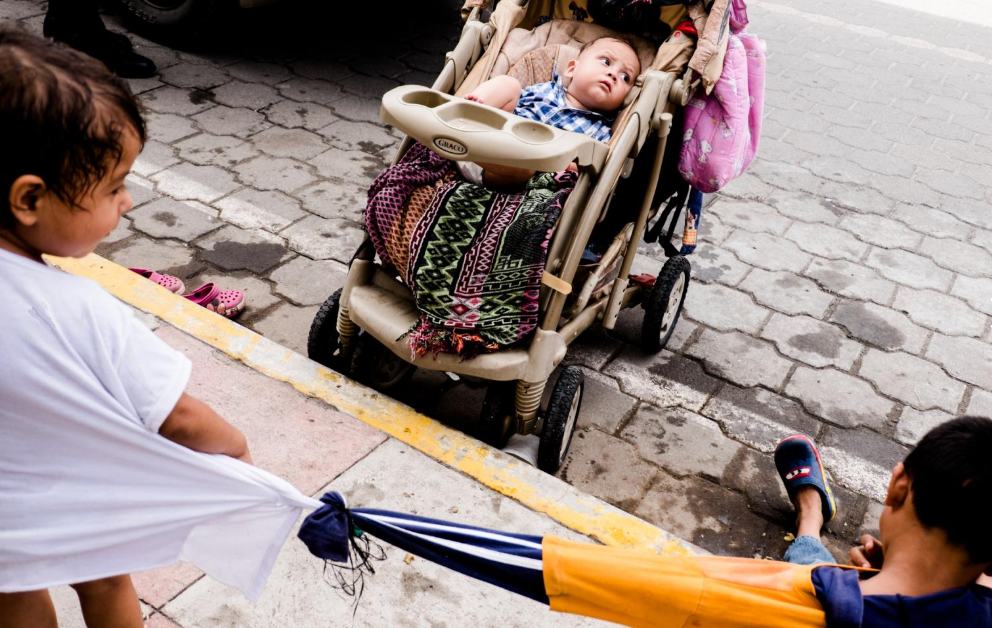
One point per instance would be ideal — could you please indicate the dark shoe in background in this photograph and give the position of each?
(94, 39)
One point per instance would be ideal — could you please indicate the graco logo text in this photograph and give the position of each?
(450, 146)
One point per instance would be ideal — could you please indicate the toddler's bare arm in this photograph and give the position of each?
(501, 92)
(193, 424)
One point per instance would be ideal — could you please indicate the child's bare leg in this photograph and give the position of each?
(30, 609)
(110, 603)
(809, 512)
(501, 92)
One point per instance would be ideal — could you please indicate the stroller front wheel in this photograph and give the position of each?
(664, 304)
(496, 420)
(322, 341)
(374, 365)
(559, 423)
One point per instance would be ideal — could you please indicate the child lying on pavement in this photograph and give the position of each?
(601, 76)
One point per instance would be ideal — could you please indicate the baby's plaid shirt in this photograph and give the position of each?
(545, 103)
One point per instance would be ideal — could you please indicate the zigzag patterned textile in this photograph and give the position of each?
(473, 257)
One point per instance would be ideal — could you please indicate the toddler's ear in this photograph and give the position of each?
(570, 68)
(24, 195)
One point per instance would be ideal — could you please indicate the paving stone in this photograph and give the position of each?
(724, 308)
(712, 231)
(914, 381)
(604, 405)
(198, 183)
(120, 232)
(141, 190)
(274, 173)
(857, 198)
(170, 258)
(787, 292)
(594, 348)
(330, 199)
(754, 474)
(977, 213)
(851, 280)
(663, 379)
(836, 169)
(232, 248)
(310, 90)
(977, 292)
(320, 238)
(757, 417)
(241, 94)
(909, 269)
(259, 72)
(747, 186)
(880, 326)
(914, 424)
(680, 441)
(964, 358)
(804, 207)
(741, 359)
(715, 264)
(958, 256)
(905, 190)
(980, 404)
(167, 128)
(931, 221)
(258, 293)
(308, 282)
(838, 398)
(169, 218)
(983, 239)
(952, 184)
(711, 517)
(283, 325)
(295, 143)
(357, 108)
(948, 315)
(190, 75)
(881, 231)
(767, 251)
(751, 216)
(347, 135)
(154, 157)
(826, 241)
(215, 150)
(236, 121)
(351, 166)
(251, 209)
(860, 459)
(177, 100)
(300, 115)
(811, 341)
(608, 468)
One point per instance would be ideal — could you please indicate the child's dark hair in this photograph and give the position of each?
(63, 117)
(623, 38)
(951, 473)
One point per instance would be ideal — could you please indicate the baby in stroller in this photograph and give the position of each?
(600, 79)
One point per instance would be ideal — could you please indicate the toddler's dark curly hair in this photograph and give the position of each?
(63, 117)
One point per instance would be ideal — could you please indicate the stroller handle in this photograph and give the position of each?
(462, 130)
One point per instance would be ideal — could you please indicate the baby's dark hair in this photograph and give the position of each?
(951, 474)
(623, 38)
(63, 117)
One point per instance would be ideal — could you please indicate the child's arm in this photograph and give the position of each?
(501, 92)
(194, 425)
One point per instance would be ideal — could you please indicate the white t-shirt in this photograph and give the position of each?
(88, 488)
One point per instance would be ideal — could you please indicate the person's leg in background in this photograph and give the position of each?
(77, 23)
(807, 548)
(801, 470)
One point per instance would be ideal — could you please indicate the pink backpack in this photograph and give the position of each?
(722, 128)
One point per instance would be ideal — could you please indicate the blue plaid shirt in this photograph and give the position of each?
(545, 103)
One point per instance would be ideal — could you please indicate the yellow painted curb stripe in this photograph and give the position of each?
(492, 468)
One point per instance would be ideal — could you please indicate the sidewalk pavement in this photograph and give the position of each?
(320, 438)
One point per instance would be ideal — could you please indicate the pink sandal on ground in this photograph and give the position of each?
(170, 283)
(214, 299)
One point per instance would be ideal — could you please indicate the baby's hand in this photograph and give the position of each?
(475, 98)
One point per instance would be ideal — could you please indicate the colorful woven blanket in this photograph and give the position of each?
(472, 257)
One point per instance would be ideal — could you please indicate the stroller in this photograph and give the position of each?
(361, 328)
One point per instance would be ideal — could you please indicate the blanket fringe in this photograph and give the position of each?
(425, 337)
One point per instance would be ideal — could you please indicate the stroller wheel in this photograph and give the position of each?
(374, 365)
(322, 342)
(559, 423)
(496, 420)
(664, 304)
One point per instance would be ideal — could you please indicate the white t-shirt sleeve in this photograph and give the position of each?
(152, 374)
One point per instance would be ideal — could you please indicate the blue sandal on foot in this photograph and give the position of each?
(798, 464)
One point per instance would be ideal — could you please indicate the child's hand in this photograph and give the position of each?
(867, 555)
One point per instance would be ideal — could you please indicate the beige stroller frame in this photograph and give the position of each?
(375, 301)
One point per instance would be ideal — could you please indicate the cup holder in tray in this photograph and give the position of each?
(532, 132)
(425, 98)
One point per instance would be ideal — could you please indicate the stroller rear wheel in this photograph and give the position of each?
(374, 365)
(322, 342)
(559, 424)
(496, 420)
(664, 304)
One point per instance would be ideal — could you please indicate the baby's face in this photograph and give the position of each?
(602, 75)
